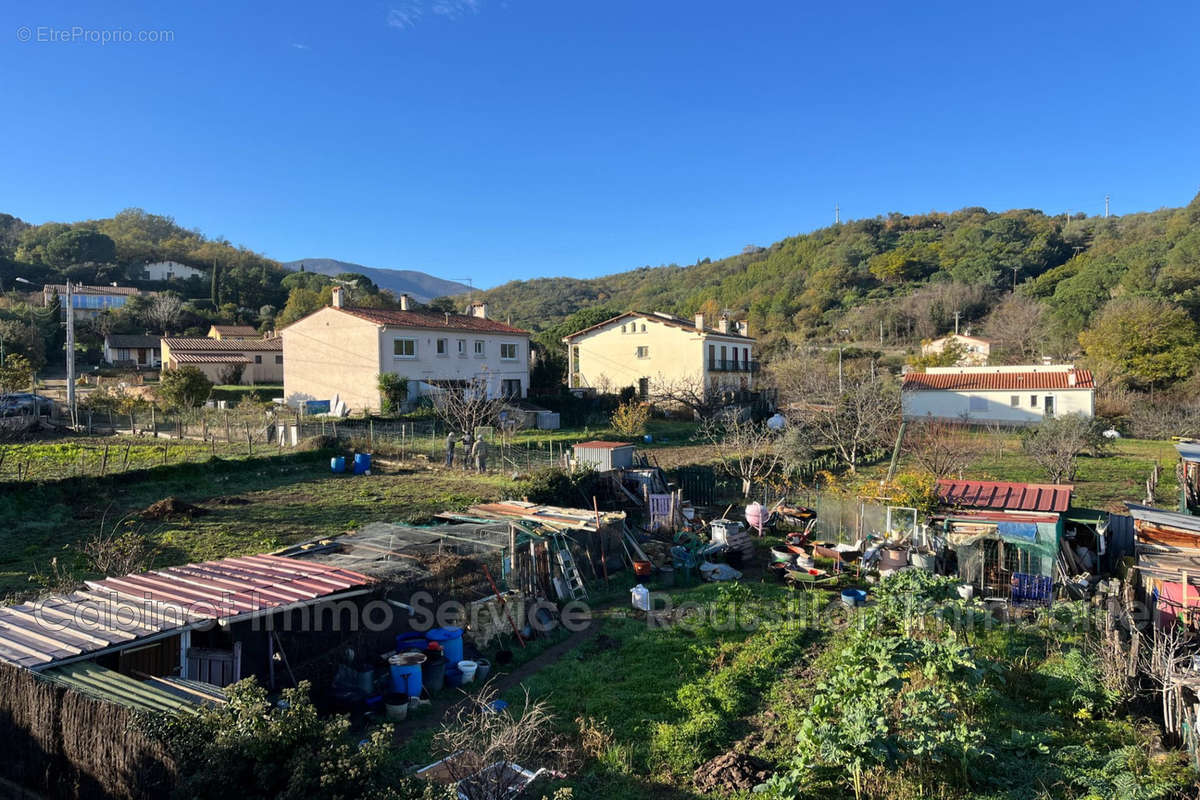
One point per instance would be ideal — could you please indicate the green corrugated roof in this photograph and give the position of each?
(101, 683)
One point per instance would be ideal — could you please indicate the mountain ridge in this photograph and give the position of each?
(421, 286)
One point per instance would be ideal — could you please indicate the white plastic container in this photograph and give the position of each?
(468, 668)
(966, 591)
(641, 597)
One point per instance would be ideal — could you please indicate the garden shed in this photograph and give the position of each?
(1005, 535)
(604, 456)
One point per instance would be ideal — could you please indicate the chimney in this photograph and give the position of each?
(1071, 378)
(337, 296)
(404, 300)
(723, 324)
(741, 328)
(479, 310)
(699, 321)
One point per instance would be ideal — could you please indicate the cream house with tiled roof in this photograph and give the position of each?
(260, 360)
(340, 351)
(1016, 395)
(641, 349)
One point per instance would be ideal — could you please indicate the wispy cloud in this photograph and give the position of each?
(404, 16)
(407, 14)
(299, 46)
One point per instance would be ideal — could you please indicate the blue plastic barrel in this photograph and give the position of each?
(406, 675)
(451, 641)
(362, 463)
(337, 464)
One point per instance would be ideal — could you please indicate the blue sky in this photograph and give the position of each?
(502, 139)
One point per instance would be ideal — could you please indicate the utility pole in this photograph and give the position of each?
(957, 314)
(837, 214)
(841, 390)
(1106, 206)
(71, 353)
(1015, 278)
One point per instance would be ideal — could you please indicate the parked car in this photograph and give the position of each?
(23, 404)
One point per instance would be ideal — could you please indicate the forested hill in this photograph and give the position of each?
(904, 275)
(420, 285)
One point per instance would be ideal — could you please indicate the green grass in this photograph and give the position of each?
(287, 499)
(1102, 483)
(85, 455)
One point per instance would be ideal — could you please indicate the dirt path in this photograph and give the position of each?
(450, 701)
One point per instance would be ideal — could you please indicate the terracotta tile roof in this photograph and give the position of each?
(1005, 496)
(132, 340)
(235, 330)
(61, 288)
(226, 345)
(121, 610)
(997, 381)
(665, 319)
(210, 358)
(432, 320)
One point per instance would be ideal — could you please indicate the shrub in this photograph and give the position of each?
(184, 387)
(630, 418)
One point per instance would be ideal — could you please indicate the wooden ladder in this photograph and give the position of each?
(570, 571)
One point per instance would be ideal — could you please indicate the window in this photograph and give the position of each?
(404, 348)
(746, 356)
(623, 329)
(511, 387)
(462, 348)
(575, 357)
(123, 354)
(643, 352)
(443, 346)
(278, 359)
(712, 356)
(480, 351)
(977, 404)
(644, 388)
(643, 327)
(508, 352)
(1015, 401)
(1033, 401)
(258, 359)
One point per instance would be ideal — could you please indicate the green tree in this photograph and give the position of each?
(184, 387)
(80, 246)
(16, 374)
(1143, 342)
(300, 303)
(393, 391)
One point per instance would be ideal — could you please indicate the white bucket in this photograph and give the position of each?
(966, 591)
(467, 668)
(397, 713)
(641, 597)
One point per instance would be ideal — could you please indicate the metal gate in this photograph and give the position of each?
(699, 485)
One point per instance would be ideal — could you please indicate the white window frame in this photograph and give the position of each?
(480, 348)
(462, 348)
(404, 356)
(1015, 401)
(507, 345)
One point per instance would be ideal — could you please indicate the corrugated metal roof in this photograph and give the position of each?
(598, 445)
(1158, 516)
(432, 320)
(1005, 496)
(1188, 451)
(997, 381)
(120, 610)
(157, 695)
(223, 345)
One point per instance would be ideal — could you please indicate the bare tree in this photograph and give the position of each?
(748, 451)
(482, 747)
(164, 311)
(1015, 328)
(467, 405)
(1056, 444)
(941, 448)
(852, 415)
(689, 393)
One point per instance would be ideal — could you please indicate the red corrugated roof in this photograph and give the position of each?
(431, 319)
(997, 381)
(122, 610)
(597, 445)
(1047, 497)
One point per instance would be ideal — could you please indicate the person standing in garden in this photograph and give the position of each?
(450, 450)
(479, 454)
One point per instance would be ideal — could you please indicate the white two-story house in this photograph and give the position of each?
(642, 349)
(340, 351)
